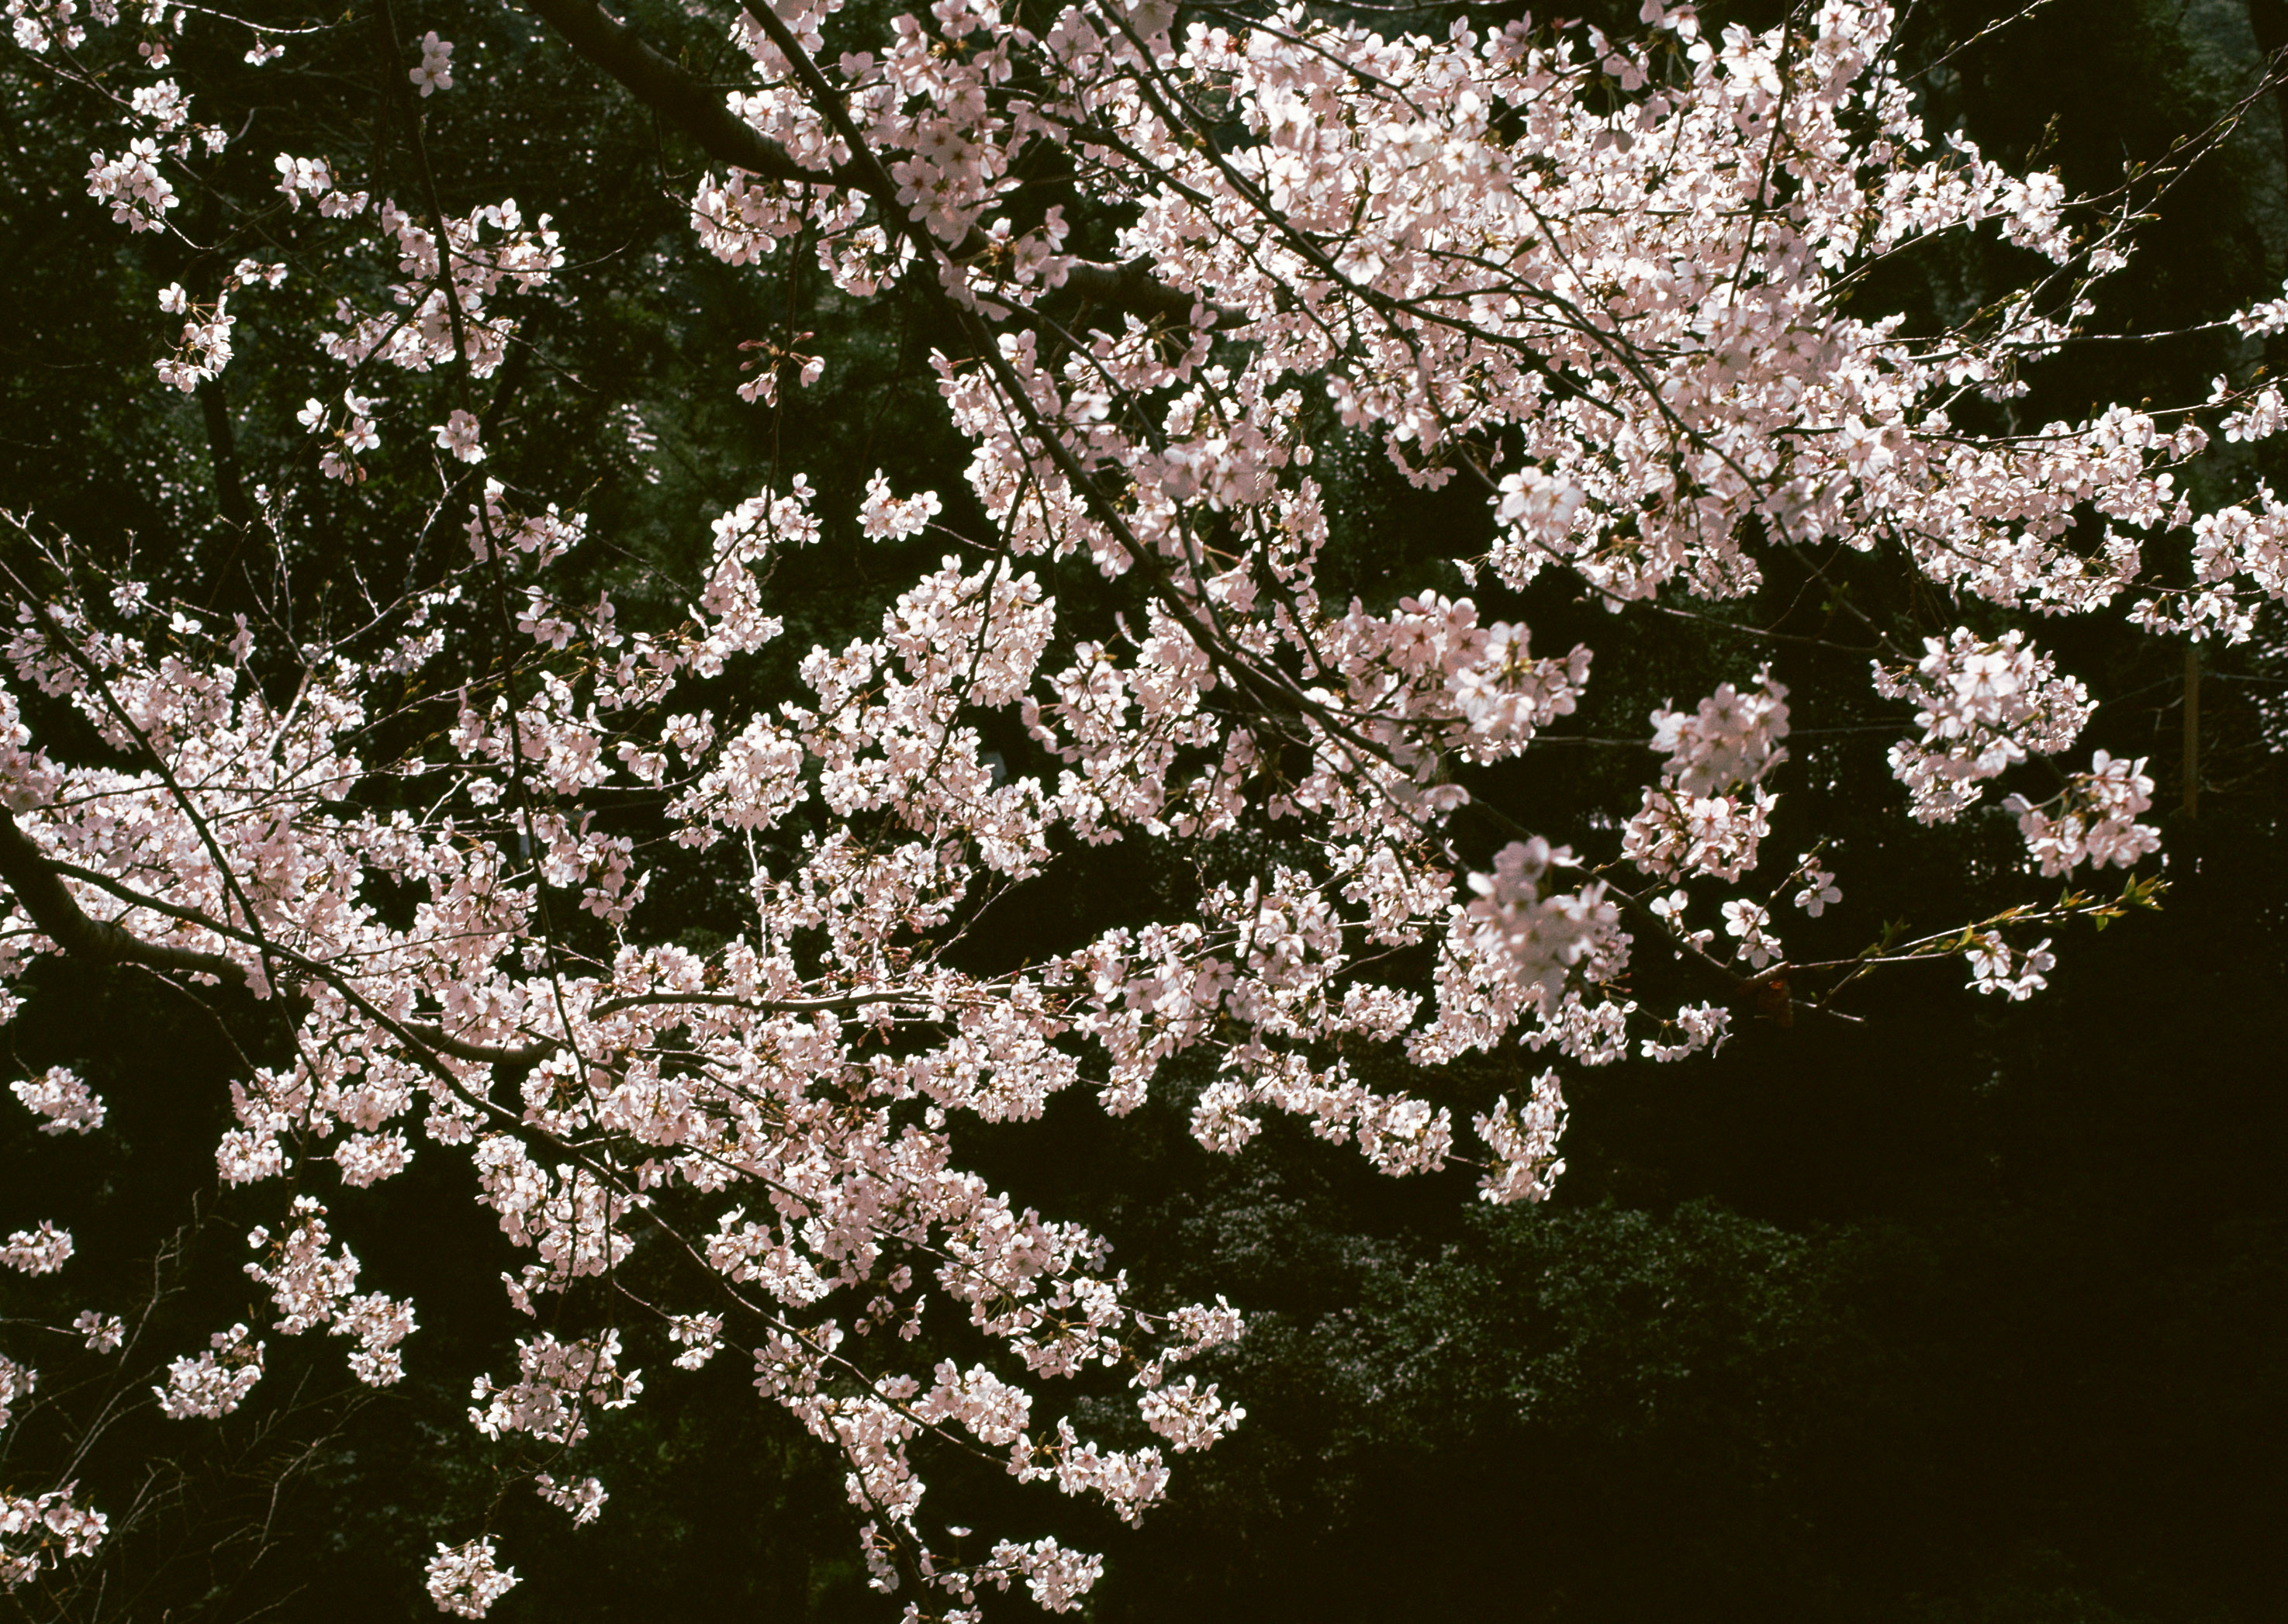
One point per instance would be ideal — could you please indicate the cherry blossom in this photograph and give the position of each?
(138, 195)
(311, 1286)
(1748, 922)
(436, 70)
(2092, 821)
(466, 1579)
(40, 1530)
(1997, 967)
(458, 434)
(37, 1251)
(101, 1332)
(57, 1094)
(582, 1499)
(1820, 892)
(1985, 707)
(216, 1382)
(17, 1383)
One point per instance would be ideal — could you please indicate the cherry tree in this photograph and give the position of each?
(1602, 282)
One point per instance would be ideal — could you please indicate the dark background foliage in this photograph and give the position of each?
(1954, 1314)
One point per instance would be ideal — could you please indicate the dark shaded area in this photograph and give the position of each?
(1952, 1318)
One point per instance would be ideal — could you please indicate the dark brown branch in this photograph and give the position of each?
(222, 446)
(683, 102)
(531, 1054)
(27, 872)
(680, 100)
(38, 880)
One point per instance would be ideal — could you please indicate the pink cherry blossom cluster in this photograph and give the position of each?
(1710, 812)
(37, 1251)
(38, 1532)
(1983, 707)
(486, 249)
(17, 1382)
(57, 1094)
(2093, 820)
(467, 1579)
(216, 1382)
(311, 1286)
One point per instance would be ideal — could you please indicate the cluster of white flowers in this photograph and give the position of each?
(460, 435)
(1983, 706)
(39, 1531)
(17, 1383)
(467, 1579)
(1543, 930)
(559, 1385)
(1698, 1026)
(1523, 1140)
(39, 24)
(1188, 1415)
(584, 1497)
(883, 517)
(216, 1382)
(369, 1157)
(130, 183)
(2092, 821)
(1671, 836)
(701, 1336)
(1710, 812)
(436, 70)
(1748, 920)
(486, 249)
(205, 349)
(37, 1251)
(1056, 1576)
(1997, 967)
(59, 1095)
(355, 433)
(101, 1332)
(314, 178)
(311, 1286)
(1732, 737)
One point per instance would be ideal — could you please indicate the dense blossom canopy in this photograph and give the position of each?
(1602, 282)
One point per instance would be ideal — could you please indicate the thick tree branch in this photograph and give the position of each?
(680, 100)
(37, 880)
(699, 113)
(27, 873)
